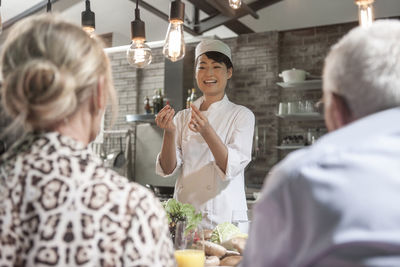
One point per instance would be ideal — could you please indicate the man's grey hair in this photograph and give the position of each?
(364, 68)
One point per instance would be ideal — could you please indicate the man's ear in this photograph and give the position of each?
(341, 113)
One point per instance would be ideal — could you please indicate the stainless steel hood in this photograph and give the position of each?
(147, 146)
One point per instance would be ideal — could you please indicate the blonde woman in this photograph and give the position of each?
(59, 205)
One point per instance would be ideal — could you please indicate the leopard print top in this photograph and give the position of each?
(59, 206)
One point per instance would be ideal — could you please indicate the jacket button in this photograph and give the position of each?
(208, 187)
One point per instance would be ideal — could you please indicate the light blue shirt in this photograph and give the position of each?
(336, 203)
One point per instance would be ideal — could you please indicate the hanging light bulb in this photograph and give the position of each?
(235, 4)
(88, 19)
(48, 6)
(174, 46)
(138, 54)
(365, 12)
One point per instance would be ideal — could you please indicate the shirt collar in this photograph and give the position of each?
(35, 141)
(215, 105)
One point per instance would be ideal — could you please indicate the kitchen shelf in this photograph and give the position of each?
(149, 118)
(313, 116)
(305, 85)
(289, 147)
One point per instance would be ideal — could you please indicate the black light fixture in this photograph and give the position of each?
(88, 19)
(138, 54)
(174, 46)
(1, 20)
(48, 6)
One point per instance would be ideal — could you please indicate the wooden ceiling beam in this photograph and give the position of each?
(234, 25)
(250, 10)
(221, 19)
(223, 7)
(204, 6)
(260, 4)
(238, 27)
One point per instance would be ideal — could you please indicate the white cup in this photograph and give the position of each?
(293, 107)
(283, 108)
(309, 106)
(300, 106)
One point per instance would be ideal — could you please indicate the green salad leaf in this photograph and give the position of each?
(177, 211)
(223, 232)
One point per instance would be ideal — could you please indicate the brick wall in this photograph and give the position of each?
(256, 59)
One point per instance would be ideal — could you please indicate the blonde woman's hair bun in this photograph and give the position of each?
(41, 92)
(50, 69)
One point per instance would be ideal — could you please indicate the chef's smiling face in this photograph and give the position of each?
(212, 76)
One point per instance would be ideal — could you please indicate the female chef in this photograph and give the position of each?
(209, 143)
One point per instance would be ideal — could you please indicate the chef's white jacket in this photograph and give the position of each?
(334, 204)
(201, 182)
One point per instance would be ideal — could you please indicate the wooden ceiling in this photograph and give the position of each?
(218, 13)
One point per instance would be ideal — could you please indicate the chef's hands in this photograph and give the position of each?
(164, 119)
(198, 122)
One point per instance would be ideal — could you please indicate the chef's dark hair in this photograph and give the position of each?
(218, 57)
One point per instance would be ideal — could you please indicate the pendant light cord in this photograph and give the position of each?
(137, 12)
(48, 5)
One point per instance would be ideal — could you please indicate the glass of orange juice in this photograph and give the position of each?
(189, 246)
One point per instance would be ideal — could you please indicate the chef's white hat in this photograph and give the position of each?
(209, 45)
